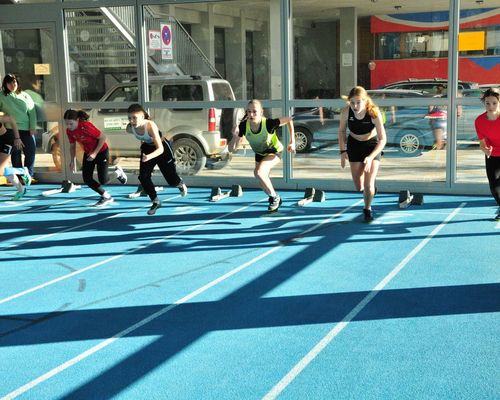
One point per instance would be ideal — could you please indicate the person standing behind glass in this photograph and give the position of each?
(364, 145)
(20, 106)
(488, 131)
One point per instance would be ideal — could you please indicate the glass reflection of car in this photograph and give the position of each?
(409, 131)
(198, 135)
(428, 85)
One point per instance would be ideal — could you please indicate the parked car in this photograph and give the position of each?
(199, 136)
(428, 85)
(410, 132)
(407, 127)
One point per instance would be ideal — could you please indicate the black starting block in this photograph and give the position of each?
(66, 187)
(312, 195)
(406, 199)
(217, 193)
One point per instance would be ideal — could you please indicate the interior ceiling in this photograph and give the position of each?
(322, 10)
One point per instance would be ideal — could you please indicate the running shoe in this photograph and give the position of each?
(368, 215)
(497, 217)
(26, 177)
(183, 189)
(138, 193)
(120, 175)
(19, 195)
(104, 201)
(274, 203)
(155, 206)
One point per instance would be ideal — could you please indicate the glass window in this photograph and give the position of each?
(480, 61)
(212, 47)
(101, 48)
(403, 66)
(30, 54)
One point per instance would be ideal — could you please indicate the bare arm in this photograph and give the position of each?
(485, 147)
(235, 140)
(342, 136)
(100, 143)
(382, 138)
(291, 131)
(72, 156)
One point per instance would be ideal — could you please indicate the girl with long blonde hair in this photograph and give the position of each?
(362, 148)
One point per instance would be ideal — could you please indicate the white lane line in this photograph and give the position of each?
(42, 207)
(42, 378)
(115, 257)
(72, 228)
(16, 203)
(325, 341)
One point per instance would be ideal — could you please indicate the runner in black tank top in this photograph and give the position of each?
(363, 147)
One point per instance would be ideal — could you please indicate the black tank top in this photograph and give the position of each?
(359, 126)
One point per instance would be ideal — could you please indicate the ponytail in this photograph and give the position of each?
(76, 115)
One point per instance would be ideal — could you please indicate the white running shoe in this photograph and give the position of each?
(120, 175)
(183, 189)
(103, 201)
(274, 203)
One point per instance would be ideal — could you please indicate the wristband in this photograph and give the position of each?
(343, 151)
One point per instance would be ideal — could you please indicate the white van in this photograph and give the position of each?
(199, 136)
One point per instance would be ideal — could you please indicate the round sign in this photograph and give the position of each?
(166, 35)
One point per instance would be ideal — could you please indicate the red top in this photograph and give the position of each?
(87, 135)
(489, 130)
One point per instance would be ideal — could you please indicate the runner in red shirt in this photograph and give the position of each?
(488, 132)
(96, 153)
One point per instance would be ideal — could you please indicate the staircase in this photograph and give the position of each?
(103, 39)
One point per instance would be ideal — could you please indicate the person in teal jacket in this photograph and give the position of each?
(20, 106)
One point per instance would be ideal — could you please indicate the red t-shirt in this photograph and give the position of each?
(87, 135)
(489, 130)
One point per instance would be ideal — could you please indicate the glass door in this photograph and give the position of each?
(29, 54)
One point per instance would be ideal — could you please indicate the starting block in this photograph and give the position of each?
(217, 193)
(66, 187)
(312, 195)
(406, 199)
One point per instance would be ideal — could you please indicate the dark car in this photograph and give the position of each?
(406, 127)
(430, 86)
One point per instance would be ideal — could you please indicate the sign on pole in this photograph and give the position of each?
(154, 40)
(166, 42)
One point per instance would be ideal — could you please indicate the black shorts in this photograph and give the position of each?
(7, 142)
(358, 150)
(259, 157)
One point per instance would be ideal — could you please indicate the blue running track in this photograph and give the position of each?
(224, 301)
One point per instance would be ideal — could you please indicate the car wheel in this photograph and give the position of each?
(410, 143)
(303, 140)
(189, 156)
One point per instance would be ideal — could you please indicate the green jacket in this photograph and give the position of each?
(21, 107)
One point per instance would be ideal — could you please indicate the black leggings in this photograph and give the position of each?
(493, 173)
(165, 162)
(29, 150)
(101, 161)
